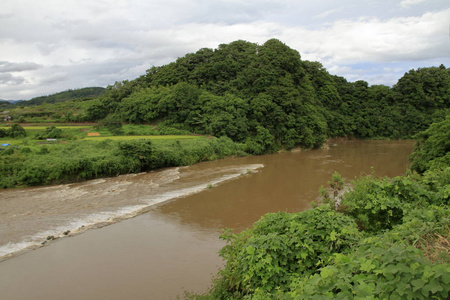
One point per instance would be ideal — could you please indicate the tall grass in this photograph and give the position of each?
(88, 159)
(138, 137)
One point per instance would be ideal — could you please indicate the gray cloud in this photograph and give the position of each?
(78, 43)
(7, 78)
(233, 11)
(17, 67)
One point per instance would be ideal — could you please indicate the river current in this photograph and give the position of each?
(172, 244)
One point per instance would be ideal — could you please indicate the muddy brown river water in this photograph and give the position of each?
(164, 226)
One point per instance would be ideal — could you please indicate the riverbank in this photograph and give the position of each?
(173, 246)
(75, 161)
(41, 159)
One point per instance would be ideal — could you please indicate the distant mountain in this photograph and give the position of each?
(89, 92)
(14, 101)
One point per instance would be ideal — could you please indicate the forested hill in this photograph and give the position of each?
(88, 92)
(266, 96)
(5, 104)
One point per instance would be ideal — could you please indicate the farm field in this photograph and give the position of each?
(38, 134)
(147, 137)
(39, 155)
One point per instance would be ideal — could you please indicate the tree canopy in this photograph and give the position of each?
(268, 97)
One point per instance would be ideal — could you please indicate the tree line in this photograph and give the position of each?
(268, 98)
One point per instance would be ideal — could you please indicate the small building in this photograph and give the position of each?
(5, 117)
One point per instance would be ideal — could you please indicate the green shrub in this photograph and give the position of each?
(333, 196)
(113, 123)
(25, 150)
(262, 142)
(432, 147)
(280, 247)
(428, 229)
(140, 150)
(43, 150)
(438, 181)
(50, 133)
(7, 151)
(16, 131)
(373, 205)
(377, 271)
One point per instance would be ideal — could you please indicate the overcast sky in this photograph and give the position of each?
(48, 46)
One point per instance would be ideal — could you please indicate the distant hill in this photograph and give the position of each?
(4, 104)
(88, 92)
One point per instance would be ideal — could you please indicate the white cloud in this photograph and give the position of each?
(408, 3)
(327, 13)
(374, 40)
(58, 45)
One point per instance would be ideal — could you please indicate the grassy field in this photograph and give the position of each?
(41, 128)
(11, 142)
(147, 137)
(80, 131)
(31, 162)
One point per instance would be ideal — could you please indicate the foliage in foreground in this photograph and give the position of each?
(281, 246)
(432, 147)
(388, 239)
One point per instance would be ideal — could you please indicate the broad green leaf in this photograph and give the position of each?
(250, 250)
(333, 235)
(326, 272)
(417, 284)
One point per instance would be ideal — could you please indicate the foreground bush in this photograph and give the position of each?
(432, 147)
(281, 247)
(377, 271)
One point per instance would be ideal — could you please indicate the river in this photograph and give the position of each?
(164, 225)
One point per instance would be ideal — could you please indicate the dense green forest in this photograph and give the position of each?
(386, 238)
(268, 98)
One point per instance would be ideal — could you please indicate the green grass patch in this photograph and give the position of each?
(42, 163)
(41, 128)
(11, 142)
(138, 137)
